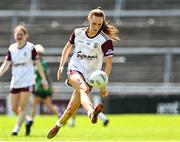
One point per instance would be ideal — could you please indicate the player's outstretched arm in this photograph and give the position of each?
(64, 56)
(108, 68)
(108, 65)
(4, 67)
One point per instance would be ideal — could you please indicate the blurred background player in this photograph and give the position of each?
(21, 56)
(93, 44)
(41, 94)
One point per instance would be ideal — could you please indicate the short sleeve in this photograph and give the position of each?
(72, 37)
(107, 48)
(34, 54)
(8, 56)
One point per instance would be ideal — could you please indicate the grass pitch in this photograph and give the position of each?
(121, 128)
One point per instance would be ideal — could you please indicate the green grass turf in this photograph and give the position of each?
(121, 128)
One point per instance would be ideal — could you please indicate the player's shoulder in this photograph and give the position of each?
(104, 36)
(12, 46)
(80, 30)
(30, 44)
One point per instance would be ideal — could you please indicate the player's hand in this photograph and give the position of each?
(104, 92)
(45, 84)
(59, 73)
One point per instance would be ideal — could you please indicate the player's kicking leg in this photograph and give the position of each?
(71, 108)
(93, 117)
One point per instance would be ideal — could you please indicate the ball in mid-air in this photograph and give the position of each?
(98, 79)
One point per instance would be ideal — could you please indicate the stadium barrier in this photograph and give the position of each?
(122, 90)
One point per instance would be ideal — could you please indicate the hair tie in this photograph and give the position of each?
(100, 8)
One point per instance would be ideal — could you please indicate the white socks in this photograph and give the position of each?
(89, 113)
(102, 116)
(16, 129)
(58, 124)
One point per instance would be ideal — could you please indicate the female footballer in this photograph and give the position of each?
(92, 45)
(21, 57)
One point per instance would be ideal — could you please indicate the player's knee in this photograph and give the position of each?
(21, 109)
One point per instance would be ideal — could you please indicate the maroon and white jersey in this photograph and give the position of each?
(89, 51)
(22, 65)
